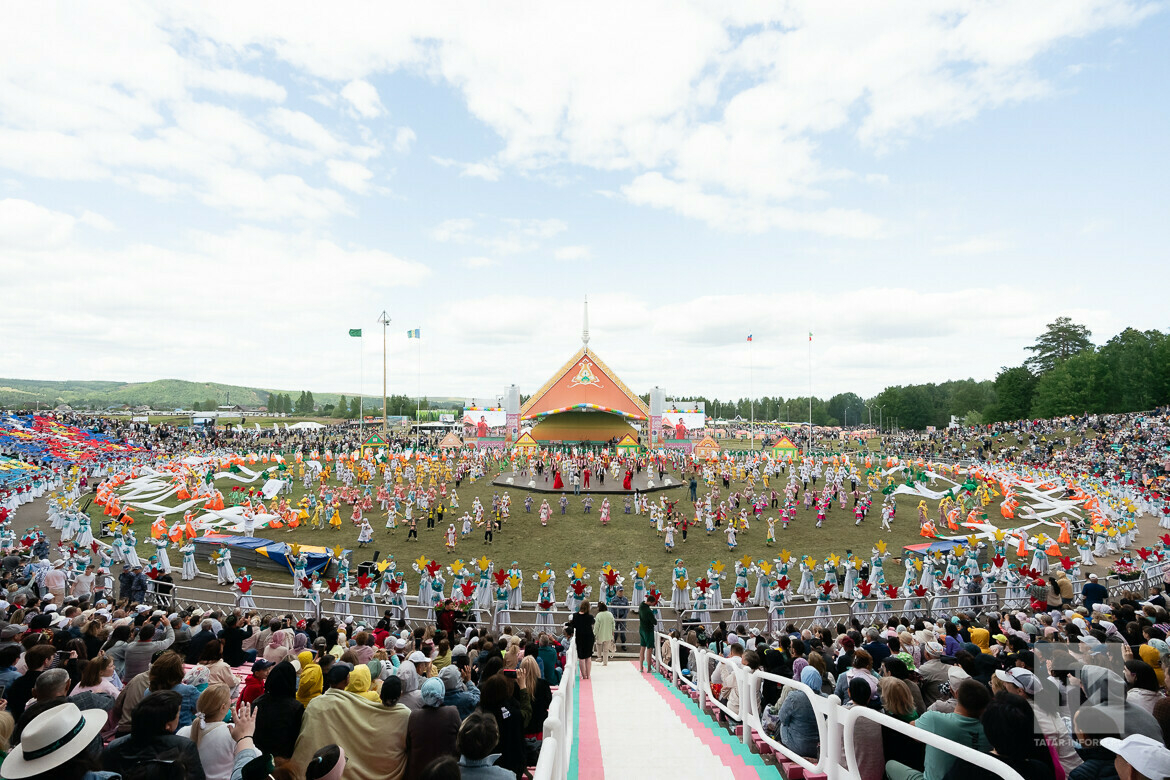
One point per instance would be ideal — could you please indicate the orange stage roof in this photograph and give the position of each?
(584, 383)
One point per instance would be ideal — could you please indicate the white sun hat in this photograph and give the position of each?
(52, 738)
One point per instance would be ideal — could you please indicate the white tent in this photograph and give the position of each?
(305, 426)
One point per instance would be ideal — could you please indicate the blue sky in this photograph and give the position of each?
(219, 194)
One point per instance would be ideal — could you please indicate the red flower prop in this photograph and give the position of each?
(468, 589)
(864, 587)
(783, 583)
(334, 584)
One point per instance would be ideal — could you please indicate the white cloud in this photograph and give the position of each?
(478, 262)
(485, 171)
(364, 98)
(351, 175)
(27, 225)
(404, 137)
(727, 114)
(976, 245)
(515, 236)
(97, 221)
(481, 170)
(573, 253)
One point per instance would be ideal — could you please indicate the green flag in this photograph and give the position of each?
(355, 332)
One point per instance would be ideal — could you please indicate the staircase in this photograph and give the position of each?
(639, 725)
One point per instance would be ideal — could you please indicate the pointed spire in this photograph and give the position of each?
(585, 329)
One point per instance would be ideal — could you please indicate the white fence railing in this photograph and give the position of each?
(556, 750)
(837, 754)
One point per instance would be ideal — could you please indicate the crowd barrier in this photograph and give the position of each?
(798, 613)
(837, 755)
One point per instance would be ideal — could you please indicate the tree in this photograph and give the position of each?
(846, 409)
(1071, 387)
(342, 410)
(301, 407)
(355, 408)
(1014, 389)
(310, 404)
(1061, 340)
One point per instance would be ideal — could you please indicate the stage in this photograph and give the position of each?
(612, 487)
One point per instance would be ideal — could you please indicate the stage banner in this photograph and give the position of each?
(678, 424)
(484, 421)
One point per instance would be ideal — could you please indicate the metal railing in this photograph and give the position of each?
(837, 752)
(556, 750)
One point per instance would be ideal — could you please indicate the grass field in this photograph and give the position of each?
(577, 537)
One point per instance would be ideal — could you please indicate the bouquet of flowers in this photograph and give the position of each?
(1125, 569)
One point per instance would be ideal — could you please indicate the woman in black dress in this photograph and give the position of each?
(582, 624)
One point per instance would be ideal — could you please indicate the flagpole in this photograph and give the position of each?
(751, 397)
(810, 425)
(385, 323)
(362, 381)
(418, 401)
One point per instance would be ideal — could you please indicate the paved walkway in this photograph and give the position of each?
(634, 725)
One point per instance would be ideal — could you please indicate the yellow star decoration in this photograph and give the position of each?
(457, 566)
(578, 571)
(973, 541)
(681, 583)
(514, 581)
(483, 563)
(421, 561)
(606, 569)
(718, 567)
(999, 535)
(745, 561)
(766, 568)
(383, 566)
(833, 559)
(785, 556)
(938, 555)
(918, 565)
(295, 550)
(857, 562)
(881, 547)
(337, 551)
(812, 562)
(641, 570)
(542, 576)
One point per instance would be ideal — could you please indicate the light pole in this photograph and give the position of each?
(883, 406)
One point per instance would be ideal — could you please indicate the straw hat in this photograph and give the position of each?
(52, 738)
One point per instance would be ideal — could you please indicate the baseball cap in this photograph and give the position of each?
(1146, 755)
(400, 644)
(11, 632)
(260, 664)
(418, 658)
(1021, 678)
(1092, 576)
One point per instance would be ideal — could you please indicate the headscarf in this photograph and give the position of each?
(300, 643)
(409, 676)
(1153, 657)
(811, 677)
(312, 682)
(359, 683)
(433, 691)
(199, 677)
(282, 680)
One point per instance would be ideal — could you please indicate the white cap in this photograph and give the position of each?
(1146, 755)
(1021, 678)
(418, 658)
(956, 675)
(1092, 576)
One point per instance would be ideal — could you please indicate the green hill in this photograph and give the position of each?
(162, 394)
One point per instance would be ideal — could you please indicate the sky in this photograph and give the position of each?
(219, 191)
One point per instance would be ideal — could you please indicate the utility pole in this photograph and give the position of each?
(385, 320)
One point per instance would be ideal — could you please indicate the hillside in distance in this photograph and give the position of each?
(161, 394)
